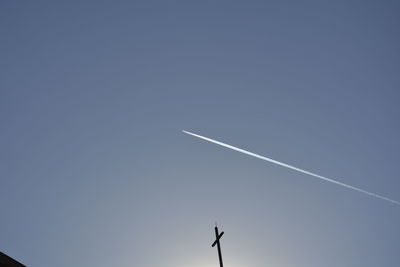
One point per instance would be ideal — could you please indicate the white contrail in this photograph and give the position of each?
(293, 168)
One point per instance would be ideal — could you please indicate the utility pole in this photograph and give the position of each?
(216, 242)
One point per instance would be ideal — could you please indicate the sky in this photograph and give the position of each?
(95, 169)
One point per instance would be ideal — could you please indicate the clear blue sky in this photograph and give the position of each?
(94, 169)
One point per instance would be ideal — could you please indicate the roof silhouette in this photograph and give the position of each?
(6, 261)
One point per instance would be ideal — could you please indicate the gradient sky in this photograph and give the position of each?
(95, 170)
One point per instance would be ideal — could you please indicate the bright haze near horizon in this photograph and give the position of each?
(94, 168)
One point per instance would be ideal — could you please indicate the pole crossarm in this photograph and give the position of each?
(219, 237)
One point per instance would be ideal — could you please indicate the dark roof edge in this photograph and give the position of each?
(7, 261)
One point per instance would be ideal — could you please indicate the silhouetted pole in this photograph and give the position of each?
(216, 242)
